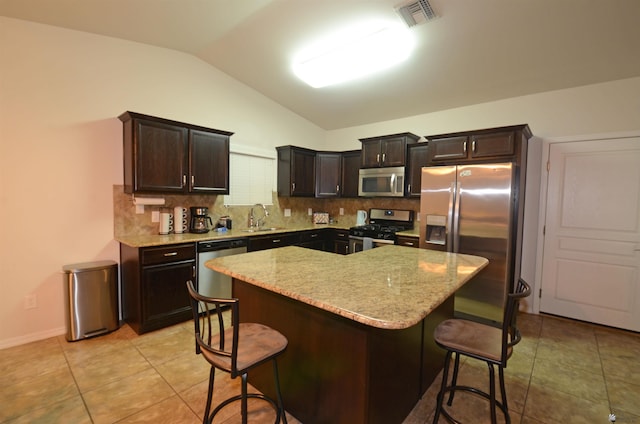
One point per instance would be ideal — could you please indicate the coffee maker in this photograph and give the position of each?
(200, 220)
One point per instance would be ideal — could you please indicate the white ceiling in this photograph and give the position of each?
(475, 51)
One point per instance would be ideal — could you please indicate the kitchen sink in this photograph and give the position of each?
(258, 230)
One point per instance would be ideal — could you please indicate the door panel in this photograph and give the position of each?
(591, 259)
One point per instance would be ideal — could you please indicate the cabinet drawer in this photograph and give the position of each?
(270, 242)
(407, 241)
(312, 235)
(165, 254)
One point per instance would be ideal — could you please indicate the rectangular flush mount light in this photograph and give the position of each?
(361, 51)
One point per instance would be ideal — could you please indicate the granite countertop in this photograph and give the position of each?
(148, 240)
(390, 287)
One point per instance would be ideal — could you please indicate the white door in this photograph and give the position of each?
(591, 261)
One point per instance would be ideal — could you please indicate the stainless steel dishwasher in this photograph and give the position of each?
(210, 282)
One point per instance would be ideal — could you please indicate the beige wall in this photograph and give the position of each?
(61, 153)
(61, 149)
(595, 109)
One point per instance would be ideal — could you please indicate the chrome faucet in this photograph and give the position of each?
(259, 222)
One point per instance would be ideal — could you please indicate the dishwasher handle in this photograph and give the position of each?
(213, 245)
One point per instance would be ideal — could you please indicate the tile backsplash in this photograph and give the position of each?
(128, 222)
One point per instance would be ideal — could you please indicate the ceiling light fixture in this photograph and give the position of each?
(362, 50)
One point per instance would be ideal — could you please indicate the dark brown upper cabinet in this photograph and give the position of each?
(494, 144)
(386, 151)
(296, 171)
(350, 172)
(164, 156)
(328, 173)
(418, 156)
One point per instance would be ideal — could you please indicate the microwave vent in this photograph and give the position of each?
(417, 12)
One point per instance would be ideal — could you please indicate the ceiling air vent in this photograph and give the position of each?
(417, 12)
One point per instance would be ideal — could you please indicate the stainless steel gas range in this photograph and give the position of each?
(381, 229)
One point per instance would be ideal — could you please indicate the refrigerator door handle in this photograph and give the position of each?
(456, 219)
(450, 218)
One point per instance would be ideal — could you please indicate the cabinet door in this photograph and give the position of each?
(418, 157)
(165, 299)
(371, 153)
(303, 173)
(350, 173)
(393, 152)
(452, 148)
(159, 154)
(497, 144)
(208, 162)
(341, 242)
(328, 167)
(315, 239)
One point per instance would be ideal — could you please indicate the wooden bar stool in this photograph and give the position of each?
(234, 349)
(483, 342)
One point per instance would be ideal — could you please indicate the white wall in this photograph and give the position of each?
(61, 149)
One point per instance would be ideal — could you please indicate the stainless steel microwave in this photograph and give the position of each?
(381, 182)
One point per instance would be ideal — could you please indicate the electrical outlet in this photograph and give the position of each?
(155, 216)
(310, 211)
(30, 301)
(139, 209)
(341, 211)
(287, 212)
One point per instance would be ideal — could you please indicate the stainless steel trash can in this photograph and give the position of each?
(91, 299)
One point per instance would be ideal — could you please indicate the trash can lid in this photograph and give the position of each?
(88, 266)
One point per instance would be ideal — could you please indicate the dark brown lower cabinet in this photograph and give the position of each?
(154, 285)
(341, 242)
(336, 370)
(313, 239)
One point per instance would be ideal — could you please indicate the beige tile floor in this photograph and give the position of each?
(563, 372)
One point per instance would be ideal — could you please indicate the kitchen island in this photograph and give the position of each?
(359, 326)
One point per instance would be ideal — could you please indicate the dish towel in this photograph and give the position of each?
(367, 243)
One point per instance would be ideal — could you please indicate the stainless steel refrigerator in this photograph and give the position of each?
(470, 209)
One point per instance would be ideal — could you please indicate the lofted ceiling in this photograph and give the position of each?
(475, 51)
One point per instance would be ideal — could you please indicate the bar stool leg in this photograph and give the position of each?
(454, 380)
(207, 408)
(243, 401)
(492, 393)
(443, 385)
(281, 412)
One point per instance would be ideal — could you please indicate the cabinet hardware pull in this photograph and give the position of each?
(338, 188)
(193, 271)
(378, 158)
(409, 188)
(293, 187)
(193, 181)
(464, 147)
(384, 157)
(171, 254)
(314, 235)
(184, 179)
(473, 146)
(275, 241)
